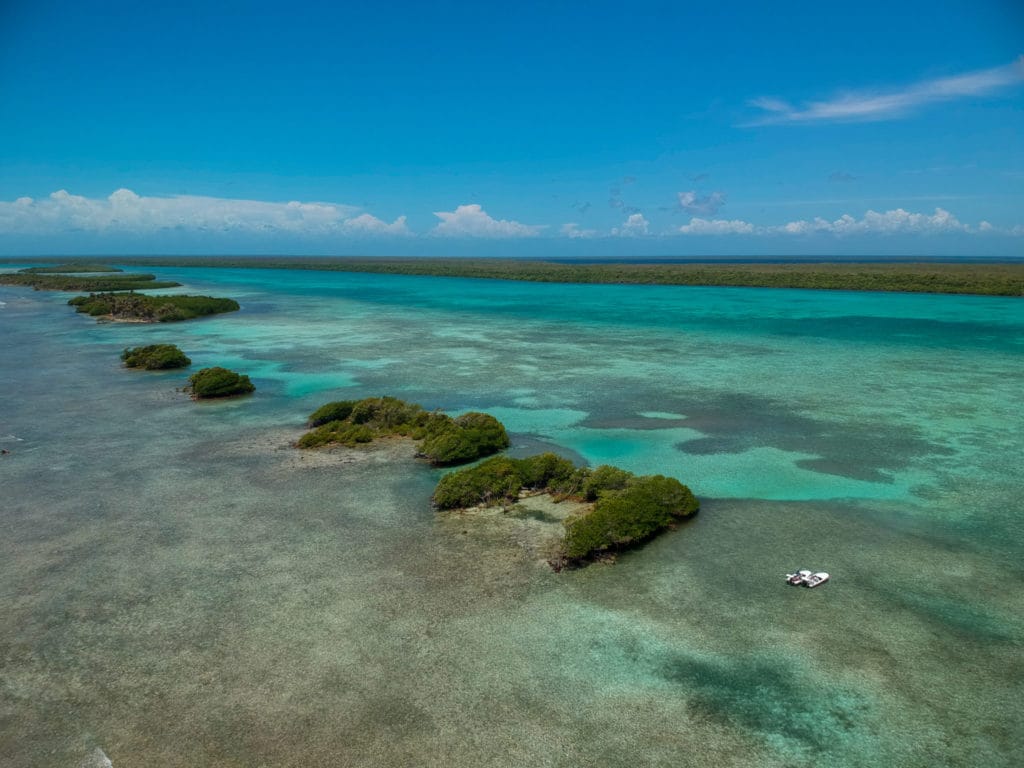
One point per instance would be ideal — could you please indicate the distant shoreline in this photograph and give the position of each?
(980, 276)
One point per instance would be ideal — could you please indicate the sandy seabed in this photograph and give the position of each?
(179, 587)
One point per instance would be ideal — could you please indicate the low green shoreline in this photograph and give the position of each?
(50, 281)
(989, 278)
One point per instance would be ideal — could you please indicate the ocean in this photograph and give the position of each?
(180, 587)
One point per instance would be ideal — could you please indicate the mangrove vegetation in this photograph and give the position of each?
(70, 267)
(155, 357)
(624, 510)
(218, 382)
(108, 279)
(989, 277)
(444, 441)
(151, 309)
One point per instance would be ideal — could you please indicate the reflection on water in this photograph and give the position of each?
(178, 587)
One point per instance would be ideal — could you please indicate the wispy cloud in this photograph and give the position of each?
(704, 205)
(473, 221)
(893, 222)
(699, 226)
(615, 198)
(573, 232)
(874, 105)
(124, 211)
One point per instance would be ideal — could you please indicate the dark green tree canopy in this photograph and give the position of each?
(444, 441)
(219, 382)
(155, 357)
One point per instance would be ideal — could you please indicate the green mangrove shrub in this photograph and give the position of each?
(69, 267)
(154, 309)
(447, 441)
(218, 382)
(626, 510)
(604, 478)
(47, 281)
(444, 441)
(155, 357)
(621, 518)
(495, 481)
(336, 411)
(499, 481)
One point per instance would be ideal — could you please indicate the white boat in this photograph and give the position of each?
(816, 580)
(798, 578)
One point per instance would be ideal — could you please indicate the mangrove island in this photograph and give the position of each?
(99, 278)
(218, 382)
(444, 441)
(138, 307)
(621, 509)
(155, 357)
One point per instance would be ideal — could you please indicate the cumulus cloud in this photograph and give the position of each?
(635, 226)
(886, 105)
(703, 205)
(473, 221)
(699, 226)
(365, 224)
(124, 211)
(895, 222)
(841, 177)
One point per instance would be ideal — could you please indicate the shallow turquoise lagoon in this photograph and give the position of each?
(179, 587)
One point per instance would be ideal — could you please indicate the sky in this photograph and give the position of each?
(535, 129)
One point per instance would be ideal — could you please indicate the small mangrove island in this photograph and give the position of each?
(100, 278)
(69, 267)
(138, 307)
(444, 441)
(155, 357)
(621, 509)
(218, 382)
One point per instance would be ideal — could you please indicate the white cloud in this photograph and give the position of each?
(365, 224)
(635, 226)
(125, 211)
(572, 231)
(698, 226)
(704, 205)
(473, 221)
(895, 222)
(886, 105)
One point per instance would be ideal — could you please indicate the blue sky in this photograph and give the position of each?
(537, 129)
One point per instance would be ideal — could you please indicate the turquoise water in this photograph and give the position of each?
(179, 587)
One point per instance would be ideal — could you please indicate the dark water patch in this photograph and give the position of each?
(972, 622)
(634, 421)
(734, 423)
(900, 332)
(768, 698)
(852, 469)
